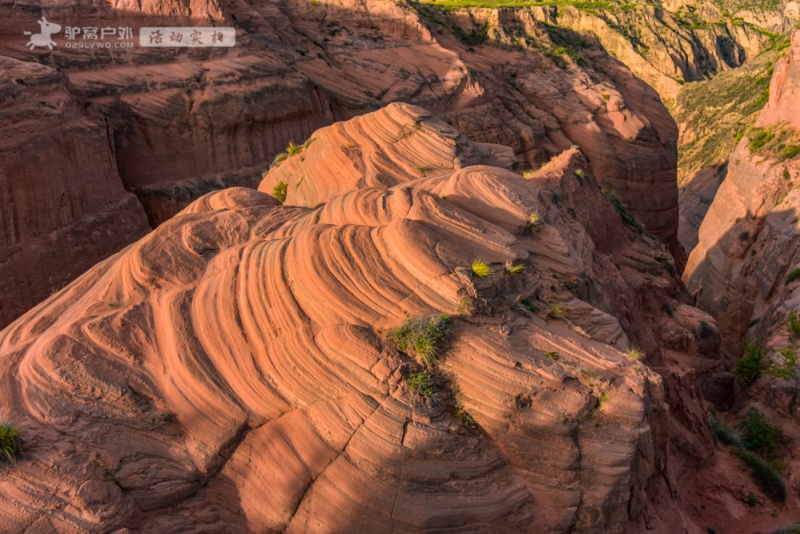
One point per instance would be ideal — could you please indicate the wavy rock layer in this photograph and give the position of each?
(180, 123)
(231, 369)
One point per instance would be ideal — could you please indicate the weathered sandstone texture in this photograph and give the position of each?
(234, 370)
(62, 205)
(172, 124)
(748, 240)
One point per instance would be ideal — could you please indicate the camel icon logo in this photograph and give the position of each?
(43, 39)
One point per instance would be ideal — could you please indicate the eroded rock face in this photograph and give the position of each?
(233, 368)
(62, 205)
(747, 242)
(182, 123)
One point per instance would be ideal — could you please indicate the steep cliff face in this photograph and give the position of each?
(246, 348)
(62, 205)
(747, 242)
(664, 43)
(745, 272)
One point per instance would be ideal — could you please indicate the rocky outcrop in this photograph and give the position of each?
(747, 242)
(244, 349)
(180, 123)
(62, 205)
(664, 45)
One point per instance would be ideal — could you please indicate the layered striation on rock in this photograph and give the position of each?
(62, 205)
(744, 272)
(235, 368)
(181, 123)
(747, 241)
(665, 44)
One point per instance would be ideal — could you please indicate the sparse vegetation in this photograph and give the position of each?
(481, 269)
(556, 312)
(757, 435)
(751, 363)
(514, 269)
(759, 137)
(626, 217)
(722, 432)
(294, 149)
(9, 442)
(793, 275)
(788, 367)
(793, 325)
(425, 336)
(764, 474)
(529, 305)
(720, 111)
(534, 223)
(280, 191)
(420, 383)
(634, 353)
(706, 330)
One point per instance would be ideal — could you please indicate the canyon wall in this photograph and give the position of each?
(176, 123)
(747, 242)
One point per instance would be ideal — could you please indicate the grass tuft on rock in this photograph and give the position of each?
(481, 269)
(425, 337)
(280, 191)
(9, 442)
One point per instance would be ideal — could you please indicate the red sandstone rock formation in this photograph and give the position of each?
(234, 370)
(747, 242)
(62, 205)
(178, 124)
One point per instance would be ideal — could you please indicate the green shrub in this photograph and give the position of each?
(792, 276)
(9, 441)
(765, 475)
(757, 434)
(529, 305)
(280, 191)
(706, 330)
(425, 336)
(481, 269)
(759, 138)
(751, 364)
(788, 368)
(793, 325)
(420, 384)
(788, 152)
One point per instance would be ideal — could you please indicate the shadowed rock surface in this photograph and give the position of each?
(175, 124)
(234, 369)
